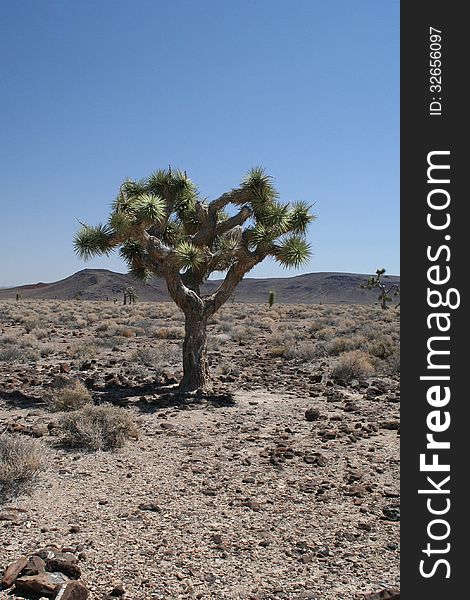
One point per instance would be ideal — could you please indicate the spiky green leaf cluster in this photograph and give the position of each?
(293, 251)
(226, 248)
(300, 217)
(92, 240)
(261, 186)
(189, 256)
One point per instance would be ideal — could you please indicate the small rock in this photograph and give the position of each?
(312, 414)
(391, 513)
(150, 506)
(35, 565)
(386, 594)
(73, 590)
(253, 505)
(42, 583)
(13, 570)
(118, 590)
(390, 425)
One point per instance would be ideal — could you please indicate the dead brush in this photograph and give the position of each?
(355, 364)
(21, 460)
(97, 428)
(68, 398)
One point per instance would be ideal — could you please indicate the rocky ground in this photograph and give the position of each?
(284, 484)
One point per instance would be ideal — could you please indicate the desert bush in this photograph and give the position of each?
(16, 349)
(46, 349)
(21, 460)
(168, 333)
(301, 352)
(70, 397)
(157, 356)
(382, 347)
(83, 351)
(97, 427)
(389, 365)
(218, 341)
(355, 364)
(338, 345)
(40, 333)
(242, 333)
(326, 333)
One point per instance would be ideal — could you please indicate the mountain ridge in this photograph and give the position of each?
(308, 288)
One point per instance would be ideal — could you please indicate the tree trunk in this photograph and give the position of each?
(195, 367)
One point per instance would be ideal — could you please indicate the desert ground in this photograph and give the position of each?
(281, 484)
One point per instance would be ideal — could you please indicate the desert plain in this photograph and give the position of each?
(282, 483)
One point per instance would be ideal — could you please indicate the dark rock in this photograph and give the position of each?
(65, 562)
(118, 590)
(73, 590)
(386, 594)
(392, 425)
(13, 570)
(312, 414)
(42, 583)
(150, 506)
(391, 513)
(35, 565)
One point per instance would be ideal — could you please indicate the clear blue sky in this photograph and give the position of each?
(96, 91)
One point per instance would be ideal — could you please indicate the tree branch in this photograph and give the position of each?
(244, 214)
(236, 196)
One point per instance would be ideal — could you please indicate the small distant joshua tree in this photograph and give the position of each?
(271, 298)
(130, 295)
(162, 227)
(386, 293)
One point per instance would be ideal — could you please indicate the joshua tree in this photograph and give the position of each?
(164, 228)
(130, 295)
(271, 298)
(385, 292)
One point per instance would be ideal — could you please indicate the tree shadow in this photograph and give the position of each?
(18, 399)
(151, 397)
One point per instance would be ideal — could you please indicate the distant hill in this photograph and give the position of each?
(311, 288)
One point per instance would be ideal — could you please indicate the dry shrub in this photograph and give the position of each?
(21, 460)
(18, 349)
(301, 352)
(338, 345)
(71, 397)
(169, 333)
(382, 347)
(242, 333)
(40, 333)
(84, 351)
(352, 365)
(97, 427)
